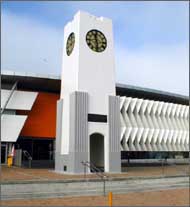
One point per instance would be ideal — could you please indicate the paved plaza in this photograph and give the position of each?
(174, 197)
(16, 174)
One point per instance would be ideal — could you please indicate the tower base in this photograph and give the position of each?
(105, 152)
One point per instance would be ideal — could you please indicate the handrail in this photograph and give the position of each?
(180, 170)
(28, 156)
(9, 97)
(97, 171)
(164, 161)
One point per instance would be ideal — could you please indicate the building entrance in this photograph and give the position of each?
(3, 153)
(97, 150)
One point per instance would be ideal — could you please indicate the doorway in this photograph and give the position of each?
(97, 150)
(3, 153)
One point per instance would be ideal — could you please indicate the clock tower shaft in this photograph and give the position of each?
(87, 70)
(88, 116)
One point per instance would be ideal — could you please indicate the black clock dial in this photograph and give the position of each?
(96, 40)
(70, 43)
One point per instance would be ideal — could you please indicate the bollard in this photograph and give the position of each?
(110, 199)
(9, 161)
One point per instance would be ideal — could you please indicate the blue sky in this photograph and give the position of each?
(151, 39)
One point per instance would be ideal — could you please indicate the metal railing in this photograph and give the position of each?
(166, 163)
(28, 156)
(98, 172)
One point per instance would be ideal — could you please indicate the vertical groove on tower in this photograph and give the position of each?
(114, 123)
(114, 134)
(80, 121)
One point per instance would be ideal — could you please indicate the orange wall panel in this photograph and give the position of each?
(41, 121)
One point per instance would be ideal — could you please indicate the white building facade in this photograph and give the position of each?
(148, 125)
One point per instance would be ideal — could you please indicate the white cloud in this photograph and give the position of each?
(159, 67)
(29, 46)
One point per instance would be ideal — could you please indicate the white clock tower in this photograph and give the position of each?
(88, 114)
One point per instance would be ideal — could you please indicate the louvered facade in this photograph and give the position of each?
(148, 125)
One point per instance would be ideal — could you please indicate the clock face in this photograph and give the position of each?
(70, 43)
(96, 40)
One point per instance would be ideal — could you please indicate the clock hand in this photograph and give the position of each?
(93, 43)
(99, 38)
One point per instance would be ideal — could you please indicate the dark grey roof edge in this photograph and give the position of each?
(119, 85)
(159, 92)
(29, 74)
